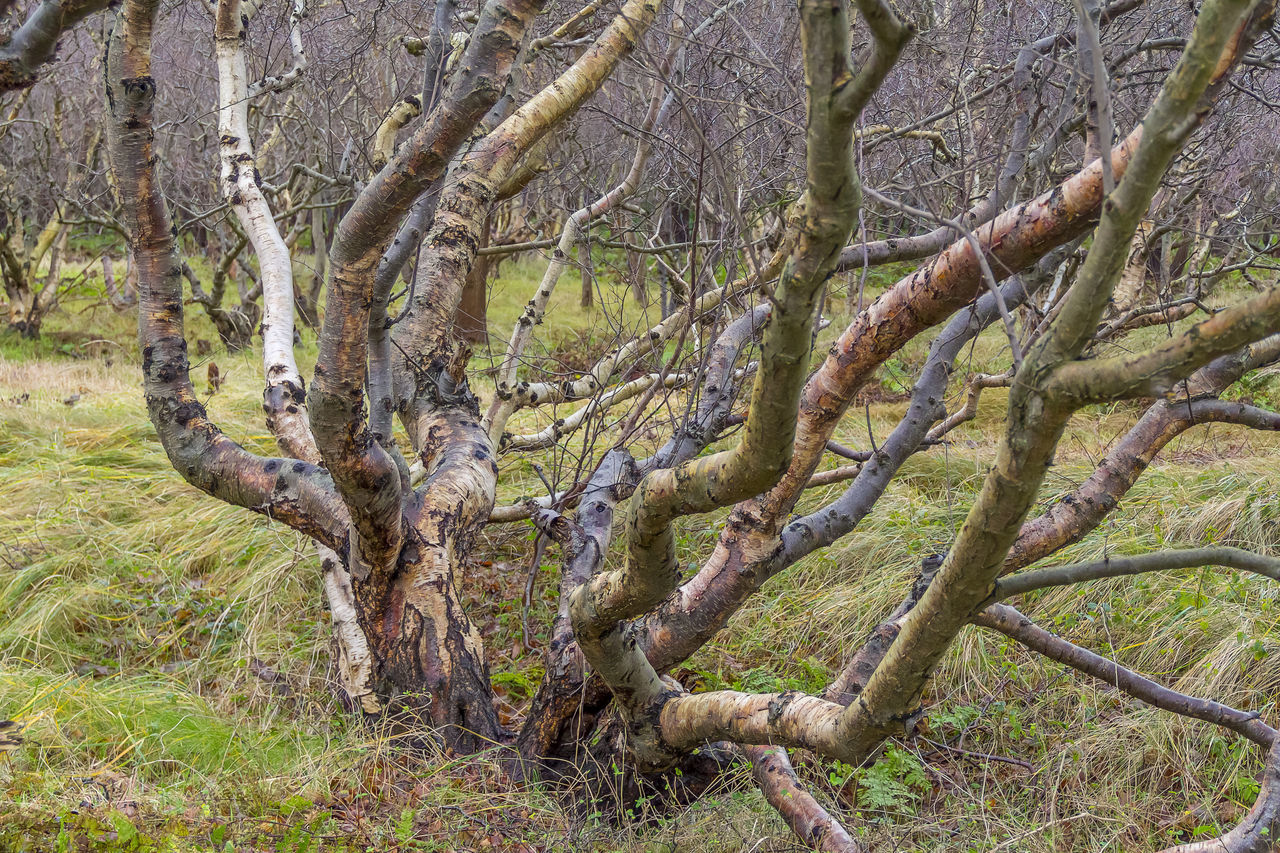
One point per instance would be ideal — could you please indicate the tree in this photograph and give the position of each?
(394, 537)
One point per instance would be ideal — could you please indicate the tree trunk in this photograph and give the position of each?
(472, 322)
(584, 269)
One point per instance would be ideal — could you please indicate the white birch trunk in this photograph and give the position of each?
(241, 184)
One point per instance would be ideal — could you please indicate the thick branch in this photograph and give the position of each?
(811, 823)
(585, 541)
(1156, 371)
(704, 604)
(1079, 512)
(366, 475)
(474, 183)
(34, 43)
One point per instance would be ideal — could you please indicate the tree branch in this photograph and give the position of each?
(1014, 625)
(34, 43)
(1115, 567)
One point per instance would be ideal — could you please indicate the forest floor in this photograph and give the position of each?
(167, 655)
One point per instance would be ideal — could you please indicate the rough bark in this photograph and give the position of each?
(811, 823)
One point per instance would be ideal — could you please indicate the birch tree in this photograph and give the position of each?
(396, 509)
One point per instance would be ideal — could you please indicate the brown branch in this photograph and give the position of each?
(1080, 511)
(1016, 238)
(835, 98)
(1012, 624)
(450, 248)
(811, 823)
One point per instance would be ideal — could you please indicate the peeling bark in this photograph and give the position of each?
(811, 823)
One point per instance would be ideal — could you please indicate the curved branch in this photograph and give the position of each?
(365, 473)
(1258, 832)
(504, 405)
(975, 386)
(473, 184)
(584, 542)
(704, 603)
(280, 82)
(401, 113)
(1037, 416)
(35, 42)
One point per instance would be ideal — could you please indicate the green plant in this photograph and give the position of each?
(894, 784)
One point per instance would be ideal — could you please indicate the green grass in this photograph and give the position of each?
(134, 612)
